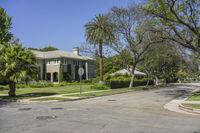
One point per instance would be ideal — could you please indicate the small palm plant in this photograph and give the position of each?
(100, 32)
(16, 64)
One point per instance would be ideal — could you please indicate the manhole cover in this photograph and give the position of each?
(24, 109)
(57, 108)
(112, 100)
(45, 117)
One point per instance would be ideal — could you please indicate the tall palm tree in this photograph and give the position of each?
(99, 31)
(16, 64)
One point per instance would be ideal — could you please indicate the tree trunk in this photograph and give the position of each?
(132, 77)
(12, 89)
(156, 81)
(147, 83)
(101, 63)
(165, 82)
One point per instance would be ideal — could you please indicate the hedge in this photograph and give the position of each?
(41, 84)
(99, 87)
(125, 83)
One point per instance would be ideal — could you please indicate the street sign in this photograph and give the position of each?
(80, 72)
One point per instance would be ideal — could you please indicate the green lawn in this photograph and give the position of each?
(194, 106)
(195, 97)
(24, 93)
(110, 92)
(52, 98)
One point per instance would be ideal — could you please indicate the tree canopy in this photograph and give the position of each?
(17, 64)
(99, 32)
(5, 26)
(177, 20)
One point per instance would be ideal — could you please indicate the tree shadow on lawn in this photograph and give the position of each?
(3, 88)
(25, 96)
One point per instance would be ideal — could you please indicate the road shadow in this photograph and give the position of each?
(6, 100)
(175, 91)
(197, 131)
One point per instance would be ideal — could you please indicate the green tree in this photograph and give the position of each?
(177, 20)
(117, 62)
(162, 61)
(99, 32)
(17, 64)
(133, 33)
(49, 48)
(5, 25)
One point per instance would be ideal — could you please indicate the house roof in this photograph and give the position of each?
(125, 71)
(59, 54)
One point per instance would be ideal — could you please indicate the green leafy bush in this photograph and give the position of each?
(21, 85)
(122, 81)
(86, 81)
(99, 87)
(66, 84)
(3, 87)
(96, 80)
(41, 84)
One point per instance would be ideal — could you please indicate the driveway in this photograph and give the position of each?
(134, 112)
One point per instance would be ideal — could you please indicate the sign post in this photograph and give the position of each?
(80, 72)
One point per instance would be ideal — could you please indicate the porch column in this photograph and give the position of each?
(86, 71)
(51, 77)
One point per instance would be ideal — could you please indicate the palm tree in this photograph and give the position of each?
(16, 64)
(100, 32)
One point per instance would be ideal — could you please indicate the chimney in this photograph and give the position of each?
(75, 50)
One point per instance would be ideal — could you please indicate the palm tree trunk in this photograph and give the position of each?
(12, 89)
(101, 63)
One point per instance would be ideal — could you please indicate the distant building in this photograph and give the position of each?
(126, 72)
(57, 66)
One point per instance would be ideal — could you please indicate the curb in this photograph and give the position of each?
(175, 105)
(188, 109)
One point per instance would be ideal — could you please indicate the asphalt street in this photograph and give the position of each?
(133, 112)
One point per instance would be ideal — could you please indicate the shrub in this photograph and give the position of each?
(21, 85)
(121, 83)
(99, 87)
(86, 81)
(66, 84)
(41, 84)
(95, 80)
(3, 87)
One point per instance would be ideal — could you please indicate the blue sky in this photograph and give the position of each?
(38, 23)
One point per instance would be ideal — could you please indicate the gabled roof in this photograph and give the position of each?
(59, 54)
(125, 71)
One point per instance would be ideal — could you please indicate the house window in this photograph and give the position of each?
(65, 61)
(76, 63)
(56, 61)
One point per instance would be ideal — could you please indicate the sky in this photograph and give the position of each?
(60, 23)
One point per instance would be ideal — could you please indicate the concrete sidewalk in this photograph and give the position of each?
(176, 104)
(69, 96)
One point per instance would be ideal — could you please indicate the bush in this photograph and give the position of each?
(86, 81)
(96, 80)
(66, 84)
(3, 87)
(118, 83)
(41, 84)
(21, 85)
(99, 87)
